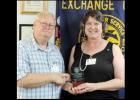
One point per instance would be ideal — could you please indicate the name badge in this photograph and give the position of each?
(91, 61)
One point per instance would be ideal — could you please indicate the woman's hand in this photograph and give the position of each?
(85, 87)
(68, 87)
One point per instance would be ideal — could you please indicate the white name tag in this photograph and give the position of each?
(91, 61)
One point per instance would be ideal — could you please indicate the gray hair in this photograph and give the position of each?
(44, 14)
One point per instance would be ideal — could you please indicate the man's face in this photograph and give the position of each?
(44, 27)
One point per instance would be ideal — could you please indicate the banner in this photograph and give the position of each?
(71, 12)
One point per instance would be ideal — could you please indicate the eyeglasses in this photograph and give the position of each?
(44, 25)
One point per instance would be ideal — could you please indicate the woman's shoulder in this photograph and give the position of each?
(114, 47)
(77, 46)
(108, 43)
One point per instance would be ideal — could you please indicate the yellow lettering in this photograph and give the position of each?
(97, 4)
(70, 5)
(83, 4)
(111, 5)
(64, 4)
(104, 5)
(106, 20)
(90, 5)
(115, 23)
(75, 6)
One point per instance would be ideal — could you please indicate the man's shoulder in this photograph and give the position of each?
(56, 47)
(53, 49)
(24, 43)
(53, 46)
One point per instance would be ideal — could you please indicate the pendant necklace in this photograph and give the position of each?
(81, 60)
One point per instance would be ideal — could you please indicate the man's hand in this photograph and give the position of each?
(60, 78)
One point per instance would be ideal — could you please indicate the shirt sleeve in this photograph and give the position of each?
(22, 62)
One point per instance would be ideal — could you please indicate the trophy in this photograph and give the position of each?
(77, 76)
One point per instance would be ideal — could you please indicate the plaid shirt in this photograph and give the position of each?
(32, 59)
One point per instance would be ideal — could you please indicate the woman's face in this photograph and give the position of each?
(93, 28)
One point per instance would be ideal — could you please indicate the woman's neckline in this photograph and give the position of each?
(96, 52)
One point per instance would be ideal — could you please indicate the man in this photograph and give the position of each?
(40, 65)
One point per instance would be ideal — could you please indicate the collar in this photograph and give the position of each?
(37, 47)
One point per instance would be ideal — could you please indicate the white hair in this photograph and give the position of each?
(44, 14)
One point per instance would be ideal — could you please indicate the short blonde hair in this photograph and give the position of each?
(44, 14)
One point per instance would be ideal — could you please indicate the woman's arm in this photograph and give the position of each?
(71, 60)
(119, 73)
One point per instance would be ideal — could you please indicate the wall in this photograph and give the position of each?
(28, 19)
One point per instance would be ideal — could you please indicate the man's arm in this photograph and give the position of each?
(35, 80)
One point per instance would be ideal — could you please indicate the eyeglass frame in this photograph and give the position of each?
(51, 26)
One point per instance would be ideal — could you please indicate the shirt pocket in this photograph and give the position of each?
(55, 66)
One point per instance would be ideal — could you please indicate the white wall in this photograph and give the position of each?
(28, 19)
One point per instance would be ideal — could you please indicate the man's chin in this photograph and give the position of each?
(46, 36)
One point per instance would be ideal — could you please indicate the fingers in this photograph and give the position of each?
(62, 78)
(74, 91)
(67, 86)
(79, 91)
(82, 88)
(66, 76)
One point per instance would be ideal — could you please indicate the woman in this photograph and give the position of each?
(101, 62)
